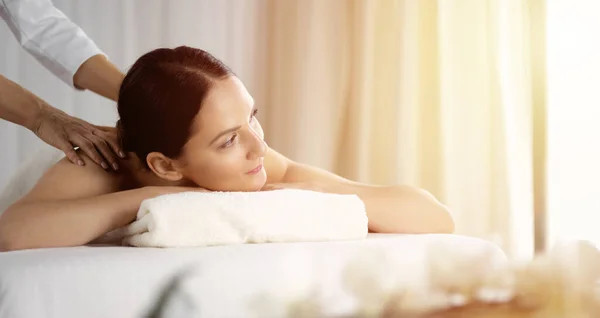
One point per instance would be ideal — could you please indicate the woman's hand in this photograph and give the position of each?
(298, 186)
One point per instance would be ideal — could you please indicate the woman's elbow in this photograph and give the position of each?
(8, 241)
(438, 215)
(418, 212)
(429, 220)
(444, 223)
(11, 237)
(8, 245)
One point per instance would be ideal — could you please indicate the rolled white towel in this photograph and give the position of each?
(219, 218)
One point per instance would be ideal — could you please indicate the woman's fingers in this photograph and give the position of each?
(272, 187)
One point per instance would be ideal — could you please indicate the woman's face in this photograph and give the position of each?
(226, 148)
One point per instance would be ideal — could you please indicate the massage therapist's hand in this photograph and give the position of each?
(55, 127)
(65, 132)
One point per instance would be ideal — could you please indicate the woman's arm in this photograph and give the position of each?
(60, 223)
(390, 209)
(70, 206)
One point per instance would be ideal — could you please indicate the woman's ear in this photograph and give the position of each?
(163, 167)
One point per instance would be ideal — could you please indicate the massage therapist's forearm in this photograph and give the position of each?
(100, 76)
(19, 105)
(68, 222)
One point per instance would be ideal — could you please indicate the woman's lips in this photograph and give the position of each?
(256, 170)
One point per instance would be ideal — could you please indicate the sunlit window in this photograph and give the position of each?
(573, 42)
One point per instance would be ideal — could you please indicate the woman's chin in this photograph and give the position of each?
(258, 181)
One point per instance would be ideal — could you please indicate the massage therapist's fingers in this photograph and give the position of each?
(89, 149)
(107, 129)
(70, 153)
(65, 132)
(102, 146)
(110, 135)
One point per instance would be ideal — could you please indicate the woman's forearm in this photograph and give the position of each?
(390, 209)
(68, 222)
(100, 76)
(404, 209)
(397, 209)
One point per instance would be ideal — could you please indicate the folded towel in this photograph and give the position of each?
(219, 218)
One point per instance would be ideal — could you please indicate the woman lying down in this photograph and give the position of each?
(188, 124)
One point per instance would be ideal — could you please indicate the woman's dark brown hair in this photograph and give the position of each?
(160, 96)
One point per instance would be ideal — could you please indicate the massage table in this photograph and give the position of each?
(246, 280)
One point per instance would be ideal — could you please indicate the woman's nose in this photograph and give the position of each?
(258, 149)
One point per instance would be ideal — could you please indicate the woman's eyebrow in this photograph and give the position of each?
(225, 132)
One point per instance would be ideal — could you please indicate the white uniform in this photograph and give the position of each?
(47, 34)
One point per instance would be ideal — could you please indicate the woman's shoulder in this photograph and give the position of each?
(275, 165)
(65, 180)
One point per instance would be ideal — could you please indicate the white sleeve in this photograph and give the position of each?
(47, 34)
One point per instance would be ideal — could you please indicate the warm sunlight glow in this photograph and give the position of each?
(573, 120)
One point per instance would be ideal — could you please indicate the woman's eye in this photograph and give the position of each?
(230, 141)
(254, 112)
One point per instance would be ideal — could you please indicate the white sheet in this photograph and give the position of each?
(228, 280)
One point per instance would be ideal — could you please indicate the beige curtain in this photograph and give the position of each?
(432, 93)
